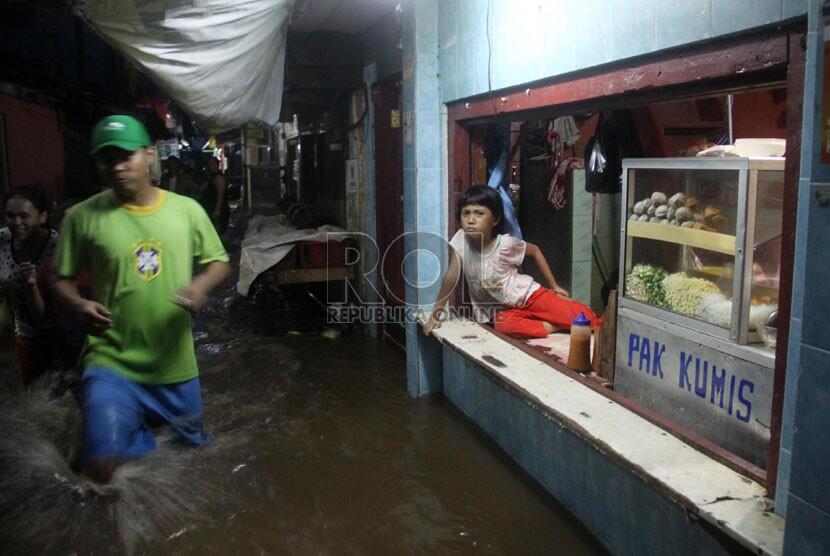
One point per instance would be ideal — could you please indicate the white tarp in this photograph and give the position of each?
(222, 61)
(268, 240)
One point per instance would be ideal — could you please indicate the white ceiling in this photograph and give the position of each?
(344, 16)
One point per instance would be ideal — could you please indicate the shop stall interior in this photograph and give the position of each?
(567, 222)
(543, 160)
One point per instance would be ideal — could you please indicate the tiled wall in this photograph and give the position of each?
(582, 227)
(804, 475)
(425, 194)
(528, 40)
(627, 515)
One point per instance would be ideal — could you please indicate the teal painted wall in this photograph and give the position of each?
(424, 185)
(531, 40)
(804, 477)
(627, 515)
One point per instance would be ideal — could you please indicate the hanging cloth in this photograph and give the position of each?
(498, 181)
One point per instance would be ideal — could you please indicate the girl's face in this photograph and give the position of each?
(23, 218)
(478, 220)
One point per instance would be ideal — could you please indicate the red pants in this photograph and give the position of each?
(35, 356)
(49, 352)
(543, 306)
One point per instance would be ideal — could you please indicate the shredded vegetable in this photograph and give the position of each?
(645, 283)
(684, 293)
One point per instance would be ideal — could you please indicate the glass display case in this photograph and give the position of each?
(701, 243)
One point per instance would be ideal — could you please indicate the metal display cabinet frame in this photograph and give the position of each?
(748, 169)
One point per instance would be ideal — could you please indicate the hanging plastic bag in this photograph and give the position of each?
(603, 164)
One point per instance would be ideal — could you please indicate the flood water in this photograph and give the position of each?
(319, 450)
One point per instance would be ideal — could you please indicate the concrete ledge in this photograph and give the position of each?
(634, 485)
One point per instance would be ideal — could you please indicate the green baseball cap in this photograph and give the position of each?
(124, 132)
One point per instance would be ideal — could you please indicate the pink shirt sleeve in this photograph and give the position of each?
(512, 250)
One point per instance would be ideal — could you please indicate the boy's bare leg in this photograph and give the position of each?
(101, 471)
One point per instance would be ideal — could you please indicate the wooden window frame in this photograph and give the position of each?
(760, 60)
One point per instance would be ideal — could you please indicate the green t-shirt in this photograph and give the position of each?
(138, 257)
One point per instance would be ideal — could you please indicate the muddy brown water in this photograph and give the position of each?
(319, 450)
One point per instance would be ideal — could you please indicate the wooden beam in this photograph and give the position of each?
(737, 62)
(795, 106)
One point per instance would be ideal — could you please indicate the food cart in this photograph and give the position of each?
(700, 262)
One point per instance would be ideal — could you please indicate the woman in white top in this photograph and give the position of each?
(26, 248)
(518, 305)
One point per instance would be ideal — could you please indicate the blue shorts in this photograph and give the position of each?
(119, 414)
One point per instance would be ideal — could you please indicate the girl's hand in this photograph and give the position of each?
(431, 325)
(29, 272)
(559, 290)
(435, 320)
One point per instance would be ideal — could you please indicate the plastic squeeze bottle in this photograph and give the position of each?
(579, 354)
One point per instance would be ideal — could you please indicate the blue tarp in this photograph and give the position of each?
(498, 181)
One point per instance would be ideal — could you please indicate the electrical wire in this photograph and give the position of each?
(490, 61)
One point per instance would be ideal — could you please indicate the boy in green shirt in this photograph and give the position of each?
(138, 243)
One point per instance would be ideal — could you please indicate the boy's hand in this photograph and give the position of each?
(192, 298)
(94, 315)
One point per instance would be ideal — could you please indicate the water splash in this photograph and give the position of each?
(47, 506)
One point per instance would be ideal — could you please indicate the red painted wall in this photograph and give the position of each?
(760, 114)
(34, 146)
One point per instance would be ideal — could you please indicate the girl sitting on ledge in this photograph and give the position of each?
(518, 305)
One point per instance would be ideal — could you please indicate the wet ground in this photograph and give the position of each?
(319, 450)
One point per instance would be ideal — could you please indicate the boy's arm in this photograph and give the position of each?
(220, 186)
(447, 286)
(533, 251)
(95, 315)
(195, 295)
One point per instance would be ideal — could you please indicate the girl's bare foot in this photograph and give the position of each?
(551, 328)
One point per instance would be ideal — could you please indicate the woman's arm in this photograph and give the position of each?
(533, 251)
(36, 300)
(219, 185)
(447, 286)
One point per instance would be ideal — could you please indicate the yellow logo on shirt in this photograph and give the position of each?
(147, 259)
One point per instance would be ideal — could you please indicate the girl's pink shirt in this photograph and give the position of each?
(493, 278)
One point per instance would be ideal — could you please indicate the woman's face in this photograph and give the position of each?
(478, 220)
(23, 218)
